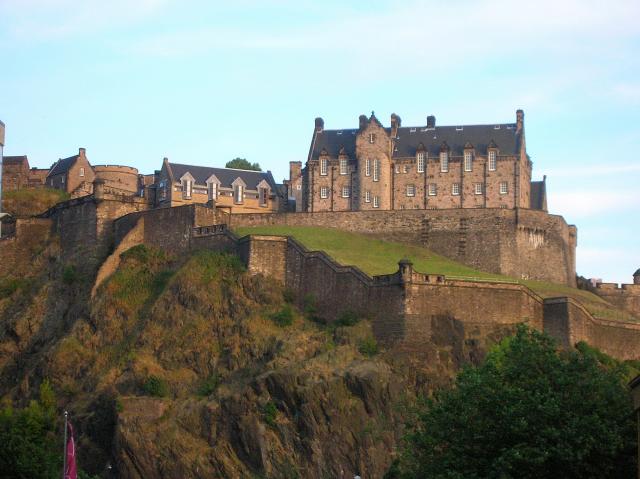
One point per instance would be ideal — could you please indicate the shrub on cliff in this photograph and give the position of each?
(29, 202)
(529, 411)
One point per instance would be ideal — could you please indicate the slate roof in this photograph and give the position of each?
(480, 136)
(537, 200)
(62, 165)
(408, 138)
(226, 175)
(15, 160)
(637, 273)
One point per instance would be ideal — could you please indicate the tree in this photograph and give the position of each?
(243, 164)
(529, 411)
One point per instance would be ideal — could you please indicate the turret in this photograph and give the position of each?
(636, 277)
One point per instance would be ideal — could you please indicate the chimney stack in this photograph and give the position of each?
(82, 151)
(362, 121)
(396, 122)
(431, 121)
(519, 120)
(319, 125)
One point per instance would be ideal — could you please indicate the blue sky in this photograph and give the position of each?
(203, 82)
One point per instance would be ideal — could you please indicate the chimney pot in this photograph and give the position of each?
(82, 151)
(319, 125)
(431, 121)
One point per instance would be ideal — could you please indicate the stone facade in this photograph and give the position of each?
(237, 191)
(17, 174)
(73, 175)
(424, 167)
(624, 296)
(124, 178)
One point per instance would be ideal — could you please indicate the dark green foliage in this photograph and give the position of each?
(209, 385)
(310, 309)
(347, 318)
(529, 411)
(243, 164)
(289, 295)
(69, 274)
(368, 346)
(269, 413)
(8, 286)
(154, 386)
(29, 445)
(284, 317)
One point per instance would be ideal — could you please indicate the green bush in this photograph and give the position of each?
(270, 413)
(347, 318)
(8, 286)
(156, 387)
(284, 317)
(209, 385)
(368, 346)
(289, 295)
(69, 274)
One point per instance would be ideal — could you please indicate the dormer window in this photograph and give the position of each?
(263, 196)
(212, 190)
(324, 166)
(238, 193)
(420, 162)
(468, 160)
(187, 186)
(444, 161)
(344, 166)
(492, 160)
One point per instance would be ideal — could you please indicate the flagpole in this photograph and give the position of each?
(64, 457)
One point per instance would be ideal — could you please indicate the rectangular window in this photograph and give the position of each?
(367, 167)
(444, 161)
(324, 163)
(324, 192)
(455, 189)
(344, 166)
(62, 179)
(421, 162)
(263, 196)
(477, 188)
(492, 160)
(405, 169)
(504, 188)
(397, 169)
(81, 171)
(367, 197)
(213, 191)
(186, 189)
(376, 170)
(238, 193)
(433, 190)
(376, 202)
(372, 137)
(346, 191)
(411, 190)
(468, 160)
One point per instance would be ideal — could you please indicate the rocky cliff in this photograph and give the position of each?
(191, 367)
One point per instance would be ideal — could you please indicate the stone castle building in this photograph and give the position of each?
(423, 167)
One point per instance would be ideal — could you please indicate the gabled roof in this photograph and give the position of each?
(333, 140)
(62, 165)
(538, 198)
(456, 137)
(15, 160)
(226, 176)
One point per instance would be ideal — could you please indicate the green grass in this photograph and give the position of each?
(29, 202)
(375, 257)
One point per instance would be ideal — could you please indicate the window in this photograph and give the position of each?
(324, 192)
(367, 197)
(238, 193)
(323, 166)
(397, 169)
(455, 189)
(468, 160)
(372, 137)
(62, 179)
(213, 190)
(411, 190)
(186, 189)
(421, 162)
(376, 170)
(504, 187)
(346, 191)
(376, 202)
(405, 169)
(444, 161)
(263, 195)
(163, 190)
(492, 160)
(433, 190)
(82, 171)
(477, 188)
(367, 167)
(344, 166)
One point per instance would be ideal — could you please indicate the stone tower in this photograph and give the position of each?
(636, 277)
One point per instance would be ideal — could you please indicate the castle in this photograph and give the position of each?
(484, 212)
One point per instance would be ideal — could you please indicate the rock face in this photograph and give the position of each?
(190, 367)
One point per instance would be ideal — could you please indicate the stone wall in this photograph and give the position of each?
(16, 251)
(625, 296)
(520, 243)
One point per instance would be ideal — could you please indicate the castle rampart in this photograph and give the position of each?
(522, 243)
(117, 176)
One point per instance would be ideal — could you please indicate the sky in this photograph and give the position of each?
(203, 82)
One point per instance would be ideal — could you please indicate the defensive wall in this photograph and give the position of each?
(414, 310)
(624, 296)
(116, 176)
(522, 243)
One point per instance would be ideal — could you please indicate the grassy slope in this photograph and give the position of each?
(29, 202)
(374, 256)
